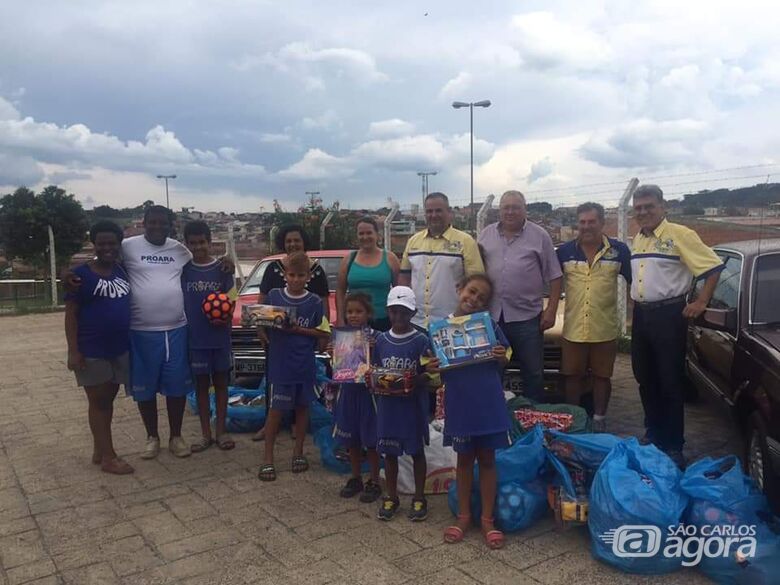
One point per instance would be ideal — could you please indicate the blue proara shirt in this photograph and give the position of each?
(402, 417)
(104, 312)
(474, 397)
(197, 282)
(291, 357)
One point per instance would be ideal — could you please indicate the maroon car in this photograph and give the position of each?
(734, 352)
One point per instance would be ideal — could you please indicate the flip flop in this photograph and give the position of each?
(117, 467)
(300, 464)
(201, 445)
(493, 538)
(454, 534)
(225, 442)
(267, 472)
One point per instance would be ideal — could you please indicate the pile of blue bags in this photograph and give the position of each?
(240, 418)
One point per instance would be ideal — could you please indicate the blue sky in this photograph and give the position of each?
(247, 101)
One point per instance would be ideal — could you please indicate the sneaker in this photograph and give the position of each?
(371, 492)
(354, 487)
(678, 458)
(388, 508)
(178, 447)
(419, 510)
(152, 448)
(599, 426)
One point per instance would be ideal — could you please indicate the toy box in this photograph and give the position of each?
(391, 381)
(267, 316)
(460, 341)
(350, 355)
(527, 417)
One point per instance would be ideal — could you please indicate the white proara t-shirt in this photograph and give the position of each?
(156, 300)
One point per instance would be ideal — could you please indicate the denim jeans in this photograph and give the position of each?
(527, 342)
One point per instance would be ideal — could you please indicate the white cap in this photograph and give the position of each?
(401, 296)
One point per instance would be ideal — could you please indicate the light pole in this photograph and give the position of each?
(166, 177)
(424, 175)
(470, 106)
(312, 195)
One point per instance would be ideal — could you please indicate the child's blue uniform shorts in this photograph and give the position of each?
(399, 447)
(469, 443)
(290, 396)
(159, 362)
(210, 361)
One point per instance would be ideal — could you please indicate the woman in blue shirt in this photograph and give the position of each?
(97, 327)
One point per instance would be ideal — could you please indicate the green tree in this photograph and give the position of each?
(24, 217)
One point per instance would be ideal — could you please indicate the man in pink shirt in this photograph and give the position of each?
(520, 260)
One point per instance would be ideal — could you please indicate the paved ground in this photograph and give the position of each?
(208, 520)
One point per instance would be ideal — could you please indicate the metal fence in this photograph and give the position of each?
(15, 293)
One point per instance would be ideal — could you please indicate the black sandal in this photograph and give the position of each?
(267, 472)
(300, 464)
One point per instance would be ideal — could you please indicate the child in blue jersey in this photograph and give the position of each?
(476, 419)
(355, 414)
(292, 365)
(402, 421)
(209, 341)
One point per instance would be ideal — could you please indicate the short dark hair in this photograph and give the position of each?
(437, 195)
(363, 299)
(159, 209)
(369, 220)
(591, 206)
(105, 227)
(289, 228)
(197, 228)
(649, 191)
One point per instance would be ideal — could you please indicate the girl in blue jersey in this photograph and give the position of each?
(292, 365)
(476, 419)
(402, 421)
(355, 426)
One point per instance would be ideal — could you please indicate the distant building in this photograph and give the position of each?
(711, 211)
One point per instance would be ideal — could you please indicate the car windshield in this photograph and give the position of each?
(766, 289)
(330, 265)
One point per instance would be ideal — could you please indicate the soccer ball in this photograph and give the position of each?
(218, 307)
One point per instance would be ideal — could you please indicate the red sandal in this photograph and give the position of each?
(454, 534)
(493, 538)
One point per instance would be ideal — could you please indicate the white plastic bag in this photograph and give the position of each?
(441, 467)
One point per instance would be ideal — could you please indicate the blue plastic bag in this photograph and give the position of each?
(324, 440)
(723, 496)
(519, 505)
(475, 502)
(634, 498)
(241, 418)
(524, 461)
(319, 417)
(583, 452)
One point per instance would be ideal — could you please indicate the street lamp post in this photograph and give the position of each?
(167, 199)
(471, 106)
(312, 197)
(424, 175)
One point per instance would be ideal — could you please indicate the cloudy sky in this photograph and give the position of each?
(247, 101)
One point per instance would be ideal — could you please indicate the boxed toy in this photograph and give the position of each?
(267, 316)
(527, 417)
(460, 341)
(391, 381)
(350, 355)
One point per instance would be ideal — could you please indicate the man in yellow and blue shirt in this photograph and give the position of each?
(666, 258)
(591, 265)
(435, 260)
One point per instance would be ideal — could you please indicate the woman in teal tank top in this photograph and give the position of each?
(369, 269)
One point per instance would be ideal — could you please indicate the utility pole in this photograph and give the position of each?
(424, 176)
(312, 199)
(166, 177)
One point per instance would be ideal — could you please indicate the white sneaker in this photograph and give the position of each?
(178, 447)
(152, 448)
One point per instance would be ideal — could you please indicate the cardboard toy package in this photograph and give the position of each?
(350, 355)
(267, 316)
(460, 341)
(391, 381)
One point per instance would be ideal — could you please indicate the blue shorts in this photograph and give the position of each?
(468, 444)
(290, 396)
(159, 362)
(355, 417)
(210, 361)
(398, 447)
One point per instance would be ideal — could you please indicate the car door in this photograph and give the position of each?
(714, 350)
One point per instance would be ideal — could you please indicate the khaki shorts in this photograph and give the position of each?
(581, 359)
(101, 371)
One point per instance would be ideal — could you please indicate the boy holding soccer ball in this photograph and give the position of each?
(209, 333)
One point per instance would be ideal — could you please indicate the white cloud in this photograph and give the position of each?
(274, 137)
(7, 110)
(327, 119)
(541, 169)
(317, 165)
(390, 128)
(457, 86)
